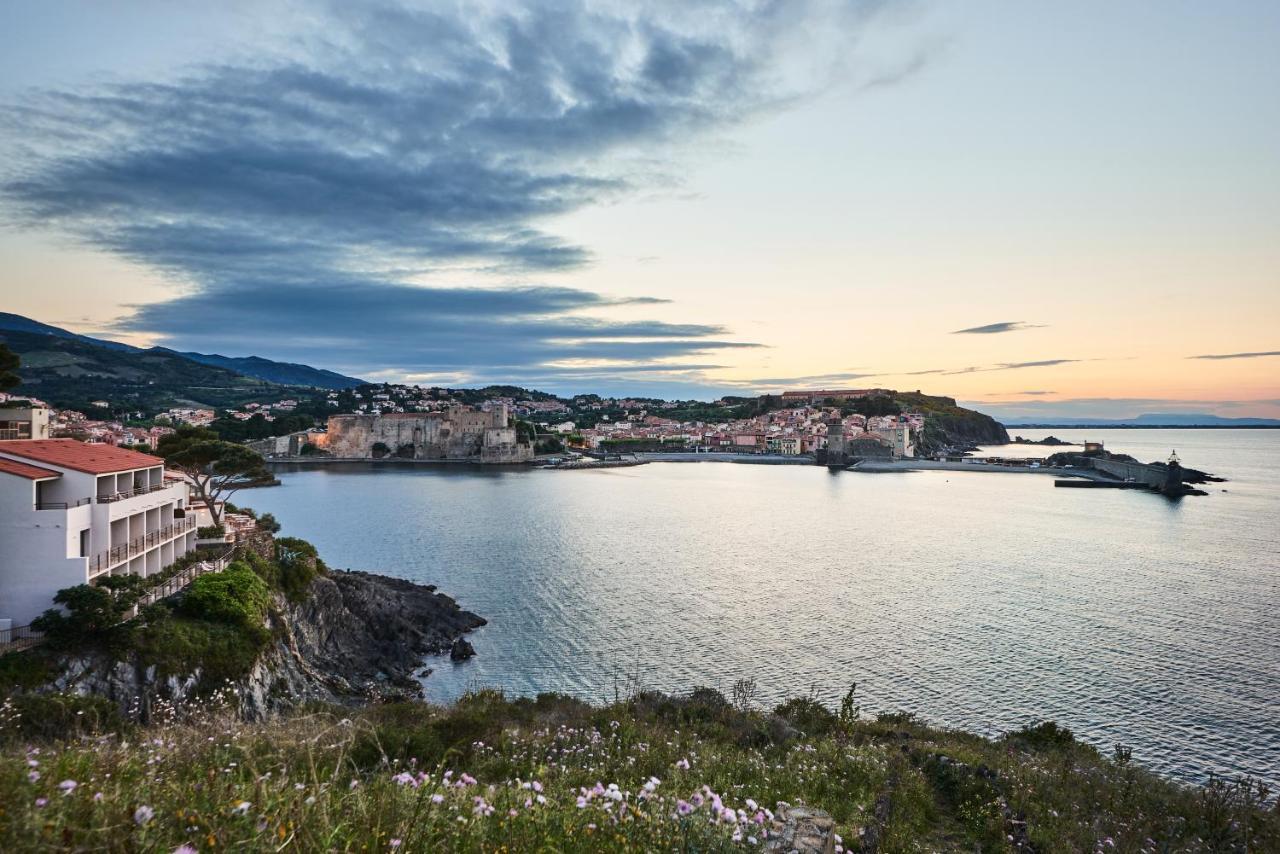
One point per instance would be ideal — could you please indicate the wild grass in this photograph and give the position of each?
(692, 773)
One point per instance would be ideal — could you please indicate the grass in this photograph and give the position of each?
(554, 774)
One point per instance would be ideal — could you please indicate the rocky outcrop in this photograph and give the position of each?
(802, 830)
(357, 637)
(946, 432)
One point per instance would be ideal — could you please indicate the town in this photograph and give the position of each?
(794, 423)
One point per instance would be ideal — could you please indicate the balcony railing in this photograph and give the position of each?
(180, 581)
(61, 505)
(133, 493)
(19, 637)
(119, 554)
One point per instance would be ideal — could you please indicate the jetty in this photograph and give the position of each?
(1092, 469)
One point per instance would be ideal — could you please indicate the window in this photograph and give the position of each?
(84, 543)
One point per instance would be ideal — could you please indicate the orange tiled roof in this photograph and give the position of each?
(24, 470)
(79, 456)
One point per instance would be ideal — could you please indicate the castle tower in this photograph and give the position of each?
(837, 453)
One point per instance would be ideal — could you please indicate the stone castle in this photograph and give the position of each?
(457, 433)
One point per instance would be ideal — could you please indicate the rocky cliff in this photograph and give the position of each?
(354, 638)
(949, 426)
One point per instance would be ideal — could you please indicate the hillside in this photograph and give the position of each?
(951, 426)
(255, 367)
(284, 373)
(653, 773)
(72, 372)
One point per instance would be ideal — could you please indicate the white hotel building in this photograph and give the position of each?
(71, 513)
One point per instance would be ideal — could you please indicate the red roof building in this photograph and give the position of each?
(79, 456)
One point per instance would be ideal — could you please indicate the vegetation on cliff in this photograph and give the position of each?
(693, 773)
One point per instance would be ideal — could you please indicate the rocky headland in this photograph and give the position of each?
(344, 637)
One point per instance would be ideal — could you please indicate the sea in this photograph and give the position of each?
(982, 601)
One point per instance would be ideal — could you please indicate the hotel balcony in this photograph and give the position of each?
(133, 493)
(114, 557)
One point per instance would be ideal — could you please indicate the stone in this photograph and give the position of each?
(804, 830)
(461, 650)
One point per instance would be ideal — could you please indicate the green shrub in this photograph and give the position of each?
(210, 532)
(24, 670)
(178, 646)
(236, 596)
(91, 610)
(49, 716)
(299, 563)
(1046, 735)
(807, 715)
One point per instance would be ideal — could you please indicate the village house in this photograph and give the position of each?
(72, 513)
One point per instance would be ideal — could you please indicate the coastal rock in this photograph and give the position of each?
(461, 650)
(356, 638)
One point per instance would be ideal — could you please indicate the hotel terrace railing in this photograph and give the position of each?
(133, 493)
(61, 505)
(22, 637)
(179, 581)
(119, 554)
(18, 637)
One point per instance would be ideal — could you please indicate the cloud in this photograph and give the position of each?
(993, 328)
(1239, 355)
(296, 197)
(807, 381)
(1010, 366)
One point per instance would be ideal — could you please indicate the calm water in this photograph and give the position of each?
(977, 600)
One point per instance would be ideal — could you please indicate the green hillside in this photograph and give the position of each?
(72, 373)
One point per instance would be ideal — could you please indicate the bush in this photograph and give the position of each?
(50, 716)
(236, 596)
(807, 715)
(210, 532)
(91, 610)
(24, 670)
(1046, 735)
(178, 646)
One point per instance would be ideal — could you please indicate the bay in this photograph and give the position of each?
(977, 600)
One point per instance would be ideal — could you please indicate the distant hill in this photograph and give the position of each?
(281, 373)
(285, 373)
(73, 372)
(1150, 419)
(18, 323)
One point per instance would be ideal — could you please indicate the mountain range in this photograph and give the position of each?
(254, 367)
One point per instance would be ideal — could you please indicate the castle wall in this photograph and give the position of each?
(457, 434)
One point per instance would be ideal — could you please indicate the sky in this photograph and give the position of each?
(1038, 209)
